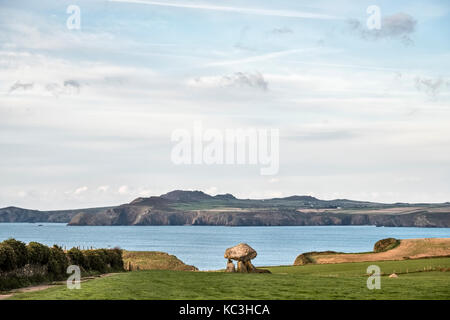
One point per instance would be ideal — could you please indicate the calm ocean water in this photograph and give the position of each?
(204, 246)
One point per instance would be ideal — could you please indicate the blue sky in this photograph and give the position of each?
(86, 115)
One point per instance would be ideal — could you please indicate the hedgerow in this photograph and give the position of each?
(22, 265)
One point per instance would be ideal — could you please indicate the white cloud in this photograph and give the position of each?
(22, 194)
(123, 190)
(211, 191)
(80, 190)
(145, 192)
(236, 80)
(103, 188)
(431, 87)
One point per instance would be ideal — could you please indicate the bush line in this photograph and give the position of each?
(22, 265)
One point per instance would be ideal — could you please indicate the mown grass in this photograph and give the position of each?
(334, 281)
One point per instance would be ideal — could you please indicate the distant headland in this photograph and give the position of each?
(198, 208)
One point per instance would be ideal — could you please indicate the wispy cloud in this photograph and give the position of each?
(69, 87)
(258, 58)
(81, 190)
(236, 80)
(253, 11)
(21, 86)
(282, 30)
(396, 26)
(347, 110)
(430, 86)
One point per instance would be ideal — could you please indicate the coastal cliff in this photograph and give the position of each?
(129, 215)
(197, 208)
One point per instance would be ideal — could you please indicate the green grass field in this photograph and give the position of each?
(418, 279)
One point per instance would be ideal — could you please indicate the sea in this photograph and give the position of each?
(204, 246)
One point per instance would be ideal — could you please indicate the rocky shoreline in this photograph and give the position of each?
(197, 208)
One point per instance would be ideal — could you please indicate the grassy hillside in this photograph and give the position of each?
(406, 249)
(418, 279)
(153, 260)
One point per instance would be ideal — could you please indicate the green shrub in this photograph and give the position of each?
(58, 262)
(116, 259)
(14, 281)
(38, 253)
(104, 256)
(7, 258)
(385, 244)
(49, 264)
(99, 260)
(76, 257)
(112, 258)
(20, 249)
(307, 257)
(95, 260)
(303, 259)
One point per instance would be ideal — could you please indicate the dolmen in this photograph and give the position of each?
(242, 253)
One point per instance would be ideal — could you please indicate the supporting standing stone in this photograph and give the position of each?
(242, 267)
(230, 266)
(250, 267)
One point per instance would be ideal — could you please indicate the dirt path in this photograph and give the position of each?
(46, 286)
(26, 289)
(408, 249)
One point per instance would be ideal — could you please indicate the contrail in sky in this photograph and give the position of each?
(263, 12)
